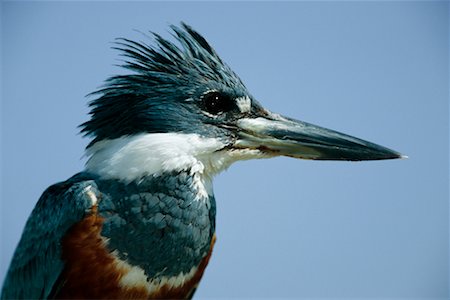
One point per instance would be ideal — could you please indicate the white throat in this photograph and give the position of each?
(152, 154)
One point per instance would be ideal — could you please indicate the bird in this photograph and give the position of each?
(139, 221)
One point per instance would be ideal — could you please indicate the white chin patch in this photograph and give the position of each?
(151, 154)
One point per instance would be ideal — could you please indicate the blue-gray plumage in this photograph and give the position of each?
(168, 221)
(139, 221)
(35, 266)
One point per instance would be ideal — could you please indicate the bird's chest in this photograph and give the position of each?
(160, 225)
(163, 234)
(157, 234)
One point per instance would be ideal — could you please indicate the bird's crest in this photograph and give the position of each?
(160, 74)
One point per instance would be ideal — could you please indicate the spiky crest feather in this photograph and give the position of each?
(164, 72)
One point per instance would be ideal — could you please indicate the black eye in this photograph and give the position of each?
(216, 102)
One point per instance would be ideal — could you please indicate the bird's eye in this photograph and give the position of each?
(216, 102)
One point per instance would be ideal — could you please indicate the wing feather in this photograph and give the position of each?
(36, 264)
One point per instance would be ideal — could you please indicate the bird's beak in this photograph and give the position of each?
(277, 135)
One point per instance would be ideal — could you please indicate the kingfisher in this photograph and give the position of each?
(139, 221)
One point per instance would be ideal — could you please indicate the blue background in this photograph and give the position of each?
(286, 228)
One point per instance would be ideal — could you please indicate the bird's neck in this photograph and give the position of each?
(131, 158)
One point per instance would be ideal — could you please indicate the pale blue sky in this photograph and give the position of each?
(286, 228)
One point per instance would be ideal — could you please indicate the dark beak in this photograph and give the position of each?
(278, 135)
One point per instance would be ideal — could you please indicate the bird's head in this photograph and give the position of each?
(183, 108)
